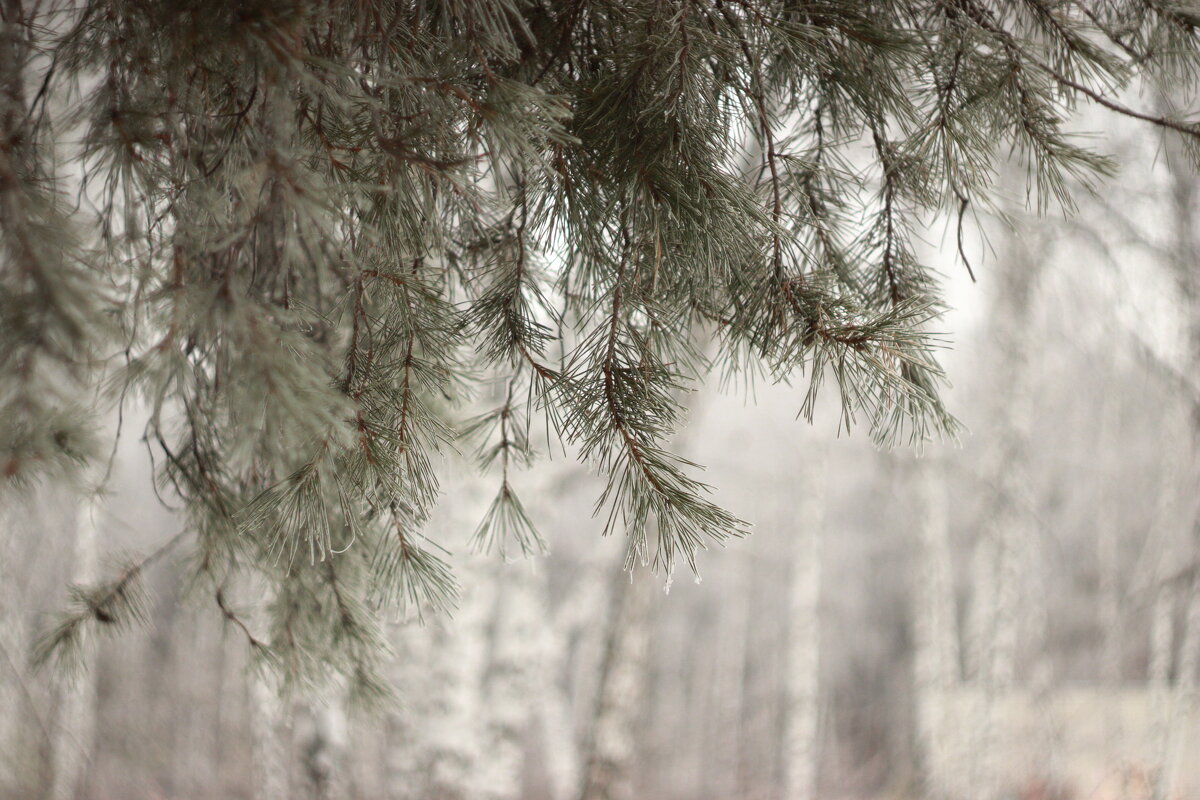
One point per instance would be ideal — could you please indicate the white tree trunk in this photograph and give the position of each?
(321, 737)
(559, 741)
(726, 697)
(558, 736)
(457, 728)
(510, 682)
(1111, 617)
(1009, 533)
(1169, 521)
(1162, 646)
(1173, 692)
(435, 736)
(936, 655)
(75, 722)
(612, 743)
(270, 744)
(802, 681)
(1109, 563)
(1183, 697)
(982, 612)
(15, 740)
(574, 619)
(404, 763)
(270, 728)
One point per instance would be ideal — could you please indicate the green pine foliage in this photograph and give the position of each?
(317, 234)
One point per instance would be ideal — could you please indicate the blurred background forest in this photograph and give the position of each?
(1015, 616)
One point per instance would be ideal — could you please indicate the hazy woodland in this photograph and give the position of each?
(1015, 614)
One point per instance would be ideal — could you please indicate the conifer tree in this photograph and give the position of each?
(313, 231)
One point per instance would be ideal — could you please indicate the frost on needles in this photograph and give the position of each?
(306, 234)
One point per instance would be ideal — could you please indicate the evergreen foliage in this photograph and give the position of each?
(313, 230)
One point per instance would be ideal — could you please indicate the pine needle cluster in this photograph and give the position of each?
(313, 232)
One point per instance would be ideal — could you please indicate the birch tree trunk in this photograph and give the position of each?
(558, 738)
(1166, 599)
(321, 735)
(936, 657)
(456, 729)
(727, 692)
(229, 712)
(1008, 533)
(404, 761)
(270, 730)
(1111, 616)
(1109, 563)
(270, 744)
(1162, 613)
(269, 741)
(802, 681)
(612, 742)
(1010, 529)
(435, 736)
(16, 748)
(74, 730)
(510, 680)
(982, 612)
(1183, 697)
(1180, 698)
(557, 725)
